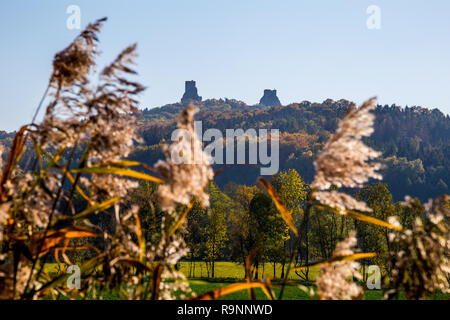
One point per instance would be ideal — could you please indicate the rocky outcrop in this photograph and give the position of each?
(190, 92)
(270, 98)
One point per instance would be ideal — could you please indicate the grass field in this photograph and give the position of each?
(232, 270)
(229, 272)
(290, 293)
(223, 270)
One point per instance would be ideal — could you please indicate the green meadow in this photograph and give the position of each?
(228, 273)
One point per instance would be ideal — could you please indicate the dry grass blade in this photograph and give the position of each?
(351, 257)
(266, 280)
(221, 292)
(156, 281)
(140, 236)
(54, 159)
(360, 216)
(66, 247)
(95, 208)
(54, 237)
(127, 163)
(285, 213)
(182, 218)
(75, 248)
(54, 162)
(77, 187)
(138, 265)
(85, 267)
(12, 159)
(248, 261)
(131, 163)
(119, 171)
(221, 169)
(268, 284)
(248, 272)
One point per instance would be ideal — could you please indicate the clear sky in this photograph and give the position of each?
(307, 50)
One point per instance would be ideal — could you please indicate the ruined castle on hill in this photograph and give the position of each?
(269, 98)
(190, 92)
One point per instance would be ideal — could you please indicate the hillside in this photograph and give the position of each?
(414, 141)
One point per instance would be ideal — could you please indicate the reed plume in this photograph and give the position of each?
(420, 264)
(344, 160)
(186, 168)
(333, 281)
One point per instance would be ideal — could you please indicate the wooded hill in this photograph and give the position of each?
(414, 141)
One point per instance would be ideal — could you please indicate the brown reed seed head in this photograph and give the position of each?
(333, 281)
(344, 160)
(74, 63)
(420, 262)
(186, 168)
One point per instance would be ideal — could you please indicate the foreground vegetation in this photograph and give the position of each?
(414, 141)
(77, 199)
(292, 292)
(230, 272)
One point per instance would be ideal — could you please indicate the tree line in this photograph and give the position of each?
(243, 220)
(414, 141)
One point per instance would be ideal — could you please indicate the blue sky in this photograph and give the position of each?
(307, 50)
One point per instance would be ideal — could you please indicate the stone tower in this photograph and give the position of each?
(270, 98)
(190, 92)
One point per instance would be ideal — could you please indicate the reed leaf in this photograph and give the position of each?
(77, 187)
(221, 292)
(285, 213)
(53, 237)
(119, 171)
(95, 208)
(89, 265)
(359, 216)
(14, 153)
(140, 236)
(248, 264)
(156, 281)
(182, 218)
(351, 257)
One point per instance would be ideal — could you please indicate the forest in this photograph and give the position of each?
(414, 141)
(415, 146)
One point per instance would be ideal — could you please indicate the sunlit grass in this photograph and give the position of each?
(223, 270)
(230, 272)
(233, 270)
